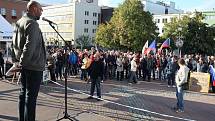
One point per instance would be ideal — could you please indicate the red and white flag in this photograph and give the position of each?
(145, 47)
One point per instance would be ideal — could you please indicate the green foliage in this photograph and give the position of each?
(130, 27)
(197, 36)
(83, 41)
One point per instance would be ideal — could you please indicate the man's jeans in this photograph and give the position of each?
(30, 84)
(95, 83)
(180, 99)
(133, 77)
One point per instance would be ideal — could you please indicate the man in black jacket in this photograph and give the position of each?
(96, 73)
(28, 52)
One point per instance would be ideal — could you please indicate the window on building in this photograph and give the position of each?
(164, 20)
(173, 19)
(86, 13)
(94, 22)
(86, 21)
(166, 11)
(162, 30)
(3, 12)
(157, 30)
(13, 14)
(94, 30)
(85, 30)
(94, 14)
(157, 20)
(99, 18)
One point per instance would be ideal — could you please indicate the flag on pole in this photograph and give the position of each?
(145, 47)
(212, 72)
(166, 43)
(152, 47)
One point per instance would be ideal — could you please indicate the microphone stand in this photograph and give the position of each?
(66, 115)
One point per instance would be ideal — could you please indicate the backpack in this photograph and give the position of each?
(73, 59)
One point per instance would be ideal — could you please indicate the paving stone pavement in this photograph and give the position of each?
(150, 96)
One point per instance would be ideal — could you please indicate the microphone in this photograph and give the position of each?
(49, 21)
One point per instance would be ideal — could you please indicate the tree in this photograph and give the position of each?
(130, 27)
(197, 36)
(83, 41)
(104, 35)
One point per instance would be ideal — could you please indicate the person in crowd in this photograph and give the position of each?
(138, 72)
(85, 65)
(203, 66)
(126, 64)
(143, 66)
(189, 64)
(1, 65)
(28, 50)
(96, 74)
(181, 79)
(59, 64)
(111, 64)
(51, 66)
(164, 64)
(159, 66)
(119, 69)
(133, 76)
(194, 63)
(153, 66)
(173, 68)
(73, 59)
(106, 65)
(150, 66)
(211, 61)
(102, 59)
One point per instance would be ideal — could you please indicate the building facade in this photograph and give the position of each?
(162, 19)
(209, 17)
(106, 14)
(12, 10)
(159, 7)
(163, 12)
(75, 19)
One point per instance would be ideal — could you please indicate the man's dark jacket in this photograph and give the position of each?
(28, 47)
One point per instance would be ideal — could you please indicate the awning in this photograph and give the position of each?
(6, 30)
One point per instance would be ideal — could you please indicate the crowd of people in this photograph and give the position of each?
(124, 66)
(98, 66)
(30, 56)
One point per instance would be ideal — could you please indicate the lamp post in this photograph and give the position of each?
(179, 42)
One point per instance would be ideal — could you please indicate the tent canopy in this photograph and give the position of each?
(6, 29)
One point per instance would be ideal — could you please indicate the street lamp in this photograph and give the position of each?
(179, 42)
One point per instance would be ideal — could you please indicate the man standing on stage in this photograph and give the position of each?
(28, 50)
